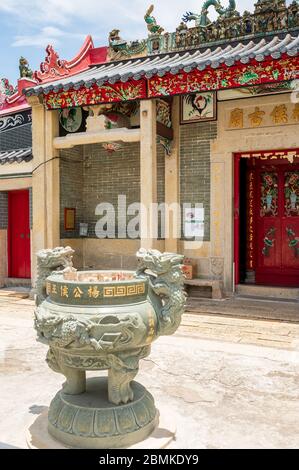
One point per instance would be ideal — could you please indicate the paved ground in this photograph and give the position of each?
(247, 308)
(230, 382)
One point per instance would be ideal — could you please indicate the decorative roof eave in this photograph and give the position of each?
(220, 76)
(256, 72)
(54, 68)
(109, 82)
(16, 101)
(16, 156)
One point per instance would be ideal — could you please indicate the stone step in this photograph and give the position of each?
(250, 308)
(8, 293)
(17, 282)
(267, 292)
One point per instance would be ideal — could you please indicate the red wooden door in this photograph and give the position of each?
(277, 223)
(19, 234)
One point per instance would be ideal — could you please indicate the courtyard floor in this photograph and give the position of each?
(227, 382)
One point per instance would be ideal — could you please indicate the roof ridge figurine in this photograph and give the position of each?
(25, 71)
(151, 22)
(203, 20)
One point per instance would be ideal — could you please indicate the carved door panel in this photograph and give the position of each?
(290, 222)
(277, 223)
(19, 234)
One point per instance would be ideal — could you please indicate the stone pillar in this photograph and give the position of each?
(148, 172)
(45, 181)
(221, 219)
(52, 181)
(172, 184)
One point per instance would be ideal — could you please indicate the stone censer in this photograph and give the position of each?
(104, 320)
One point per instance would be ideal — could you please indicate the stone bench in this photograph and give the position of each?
(217, 286)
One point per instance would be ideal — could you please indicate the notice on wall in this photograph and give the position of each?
(194, 223)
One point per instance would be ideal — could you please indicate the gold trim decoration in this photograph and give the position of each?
(250, 217)
(295, 114)
(257, 117)
(283, 155)
(124, 291)
(48, 288)
(280, 114)
(151, 331)
(95, 291)
(236, 119)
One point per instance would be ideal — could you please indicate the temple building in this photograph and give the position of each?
(204, 120)
(15, 182)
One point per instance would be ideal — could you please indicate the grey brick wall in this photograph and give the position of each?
(102, 178)
(20, 137)
(160, 180)
(195, 151)
(161, 173)
(3, 210)
(71, 187)
(106, 176)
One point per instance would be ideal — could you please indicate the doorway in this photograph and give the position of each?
(19, 259)
(267, 219)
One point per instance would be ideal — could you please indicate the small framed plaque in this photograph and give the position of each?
(198, 107)
(69, 218)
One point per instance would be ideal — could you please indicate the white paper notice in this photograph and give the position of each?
(194, 222)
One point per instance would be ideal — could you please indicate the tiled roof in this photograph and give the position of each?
(160, 65)
(19, 155)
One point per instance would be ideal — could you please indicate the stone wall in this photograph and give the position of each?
(108, 175)
(195, 174)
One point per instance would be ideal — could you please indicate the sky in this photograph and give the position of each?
(28, 26)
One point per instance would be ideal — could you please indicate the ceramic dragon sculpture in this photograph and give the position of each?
(167, 283)
(203, 20)
(49, 261)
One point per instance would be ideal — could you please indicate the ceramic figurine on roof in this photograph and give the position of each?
(203, 20)
(120, 48)
(115, 41)
(152, 25)
(269, 16)
(25, 71)
(293, 14)
(5, 90)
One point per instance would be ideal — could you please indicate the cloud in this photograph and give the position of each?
(105, 15)
(51, 20)
(47, 35)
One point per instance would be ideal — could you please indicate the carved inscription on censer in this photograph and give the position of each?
(93, 292)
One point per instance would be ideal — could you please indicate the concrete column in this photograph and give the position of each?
(52, 181)
(148, 172)
(39, 222)
(172, 184)
(45, 181)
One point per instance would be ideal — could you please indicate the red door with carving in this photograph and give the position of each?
(19, 234)
(276, 207)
